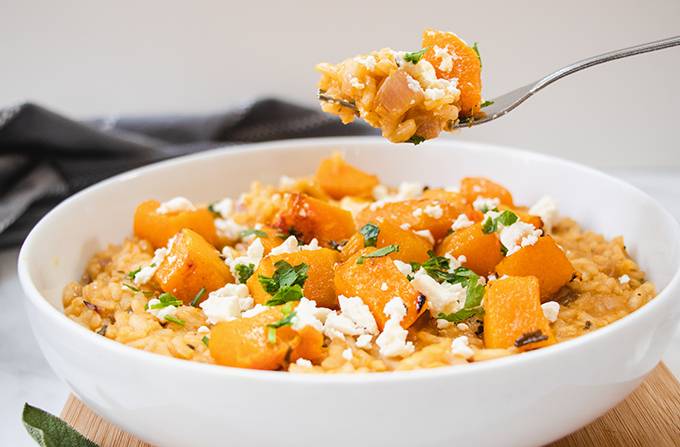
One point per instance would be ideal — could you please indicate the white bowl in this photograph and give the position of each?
(528, 399)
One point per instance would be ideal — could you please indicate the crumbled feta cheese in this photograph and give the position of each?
(417, 212)
(356, 310)
(425, 72)
(434, 94)
(176, 205)
(518, 235)
(290, 245)
(229, 229)
(485, 204)
(254, 255)
(462, 327)
(454, 263)
(304, 363)
(444, 297)
(491, 277)
(354, 82)
(384, 286)
(258, 309)
(203, 330)
(551, 310)
(546, 209)
(347, 354)
(413, 84)
(434, 211)
(392, 340)
(145, 274)
(443, 324)
(403, 267)
(405, 226)
(313, 245)
(162, 312)
(460, 346)
(446, 58)
(286, 182)
(624, 279)
(307, 314)
(380, 192)
(406, 191)
(224, 207)
(427, 234)
(364, 341)
(367, 61)
(227, 303)
(462, 221)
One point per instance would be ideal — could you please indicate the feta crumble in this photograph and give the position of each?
(229, 229)
(224, 207)
(417, 212)
(367, 61)
(406, 191)
(254, 255)
(392, 340)
(462, 327)
(485, 204)
(403, 267)
(162, 312)
(290, 245)
(303, 363)
(446, 58)
(145, 274)
(460, 347)
(427, 234)
(347, 354)
(258, 309)
(551, 310)
(227, 303)
(518, 235)
(203, 330)
(175, 205)
(307, 314)
(546, 209)
(444, 297)
(405, 226)
(364, 341)
(413, 84)
(462, 221)
(434, 211)
(384, 286)
(624, 279)
(354, 82)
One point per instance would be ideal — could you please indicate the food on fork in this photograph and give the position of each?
(410, 96)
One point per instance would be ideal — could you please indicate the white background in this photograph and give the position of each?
(85, 57)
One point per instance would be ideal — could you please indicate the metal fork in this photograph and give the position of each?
(504, 104)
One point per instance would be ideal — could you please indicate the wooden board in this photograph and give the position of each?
(650, 416)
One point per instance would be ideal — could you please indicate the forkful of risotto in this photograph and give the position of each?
(411, 96)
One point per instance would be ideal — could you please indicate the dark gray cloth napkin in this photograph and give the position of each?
(45, 157)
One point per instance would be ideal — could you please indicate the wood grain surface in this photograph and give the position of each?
(650, 416)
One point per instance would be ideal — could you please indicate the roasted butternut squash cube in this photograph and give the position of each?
(513, 315)
(308, 345)
(376, 281)
(418, 214)
(412, 247)
(466, 66)
(158, 228)
(482, 251)
(310, 218)
(319, 283)
(340, 179)
(190, 265)
(244, 342)
(473, 187)
(545, 260)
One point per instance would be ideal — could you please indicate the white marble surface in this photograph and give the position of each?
(26, 377)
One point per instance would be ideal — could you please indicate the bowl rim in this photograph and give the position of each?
(32, 295)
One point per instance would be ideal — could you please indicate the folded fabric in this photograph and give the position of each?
(45, 157)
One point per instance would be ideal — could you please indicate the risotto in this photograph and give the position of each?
(338, 272)
(410, 96)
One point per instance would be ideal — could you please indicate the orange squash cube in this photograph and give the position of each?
(190, 265)
(545, 260)
(158, 228)
(366, 281)
(310, 218)
(340, 179)
(513, 314)
(482, 251)
(319, 283)
(309, 345)
(473, 187)
(412, 247)
(466, 67)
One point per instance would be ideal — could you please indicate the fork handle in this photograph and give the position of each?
(605, 57)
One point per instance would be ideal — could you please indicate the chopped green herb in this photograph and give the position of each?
(506, 218)
(133, 273)
(479, 56)
(166, 299)
(416, 140)
(384, 251)
(212, 209)
(271, 328)
(249, 231)
(485, 104)
(198, 297)
(489, 225)
(131, 287)
(174, 319)
(473, 302)
(461, 315)
(205, 340)
(48, 430)
(285, 295)
(286, 283)
(438, 267)
(244, 272)
(370, 233)
(415, 56)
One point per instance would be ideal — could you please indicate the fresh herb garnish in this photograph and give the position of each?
(438, 267)
(473, 302)
(530, 337)
(416, 140)
(479, 56)
(205, 340)
(285, 321)
(370, 233)
(244, 272)
(48, 430)
(133, 273)
(212, 209)
(166, 299)
(198, 297)
(384, 251)
(174, 319)
(256, 232)
(285, 284)
(415, 56)
(506, 218)
(486, 104)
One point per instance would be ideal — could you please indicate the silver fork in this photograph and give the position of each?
(504, 104)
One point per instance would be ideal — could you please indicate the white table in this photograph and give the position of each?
(26, 377)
